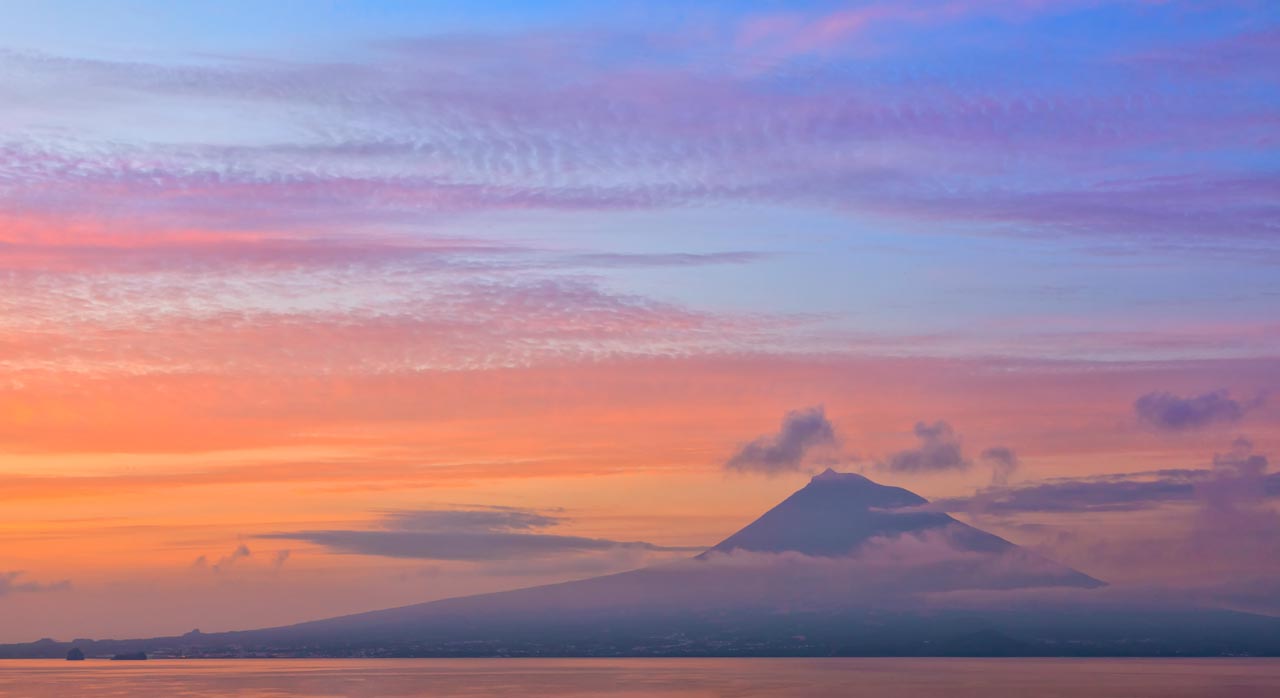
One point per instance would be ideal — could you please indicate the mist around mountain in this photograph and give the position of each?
(842, 567)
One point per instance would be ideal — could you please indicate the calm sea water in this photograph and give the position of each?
(396, 678)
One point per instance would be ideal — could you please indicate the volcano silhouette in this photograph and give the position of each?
(834, 515)
(841, 542)
(846, 516)
(837, 514)
(842, 566)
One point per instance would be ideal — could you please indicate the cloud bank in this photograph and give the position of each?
(1240, 474)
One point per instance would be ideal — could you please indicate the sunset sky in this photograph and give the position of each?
(309, 308)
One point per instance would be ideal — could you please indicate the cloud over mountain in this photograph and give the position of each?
(803, 433)
(1003, 462)
(939, 450)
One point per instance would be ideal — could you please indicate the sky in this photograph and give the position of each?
(309, 308)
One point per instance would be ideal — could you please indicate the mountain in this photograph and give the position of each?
(833, 515)
(847, 516)
(844, 566)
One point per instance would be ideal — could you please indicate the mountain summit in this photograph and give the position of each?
(832, 515)
(847, 516)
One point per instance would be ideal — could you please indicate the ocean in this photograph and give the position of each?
(662, 678)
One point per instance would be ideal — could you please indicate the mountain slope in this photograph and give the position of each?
(843, 566)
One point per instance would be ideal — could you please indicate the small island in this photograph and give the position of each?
(75, 655)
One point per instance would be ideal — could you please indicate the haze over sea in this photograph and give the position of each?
(741, 678)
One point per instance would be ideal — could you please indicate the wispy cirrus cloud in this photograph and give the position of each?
(400, 322)
(327, 172)
(620, 130)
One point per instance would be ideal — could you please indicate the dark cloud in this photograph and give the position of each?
(241, 552)
(1236, 477)
(491, 534)
(1003, 462)
(1211, 534)
(1080, 495)
(802, 432)
(9, 584)
(1169, 412)
(939, 450)
(1241, 459)
(426, 545)
(1233, 500)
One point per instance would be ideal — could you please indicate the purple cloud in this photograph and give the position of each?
(1169, 412)
(1235, 478)
(488, 520)
(484, 535)
(445, 125)
(10, 584)
(1002, 461)
(939, 451)
(803, 432)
